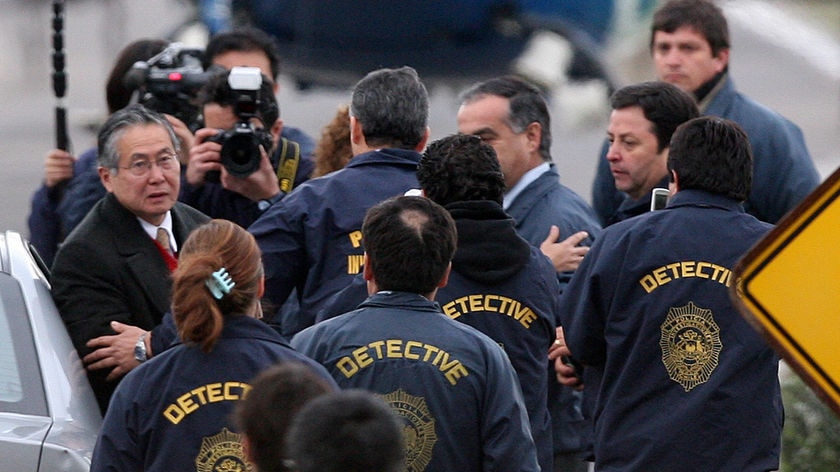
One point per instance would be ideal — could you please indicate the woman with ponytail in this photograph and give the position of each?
(174, 412)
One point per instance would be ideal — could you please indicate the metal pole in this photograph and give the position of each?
(59, 77)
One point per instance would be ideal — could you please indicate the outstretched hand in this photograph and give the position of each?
(566, 255)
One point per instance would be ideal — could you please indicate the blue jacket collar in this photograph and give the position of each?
(387, 156)
(402, 300)
(702, 198)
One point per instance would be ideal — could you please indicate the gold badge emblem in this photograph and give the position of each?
(418, 429)
(222, 453)
(690, 345)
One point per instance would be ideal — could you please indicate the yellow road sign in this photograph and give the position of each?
(788, 286)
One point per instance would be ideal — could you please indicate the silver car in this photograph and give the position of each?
(49, 418)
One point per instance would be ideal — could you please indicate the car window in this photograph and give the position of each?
(21, 389)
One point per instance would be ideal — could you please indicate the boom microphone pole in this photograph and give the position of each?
(59, 77)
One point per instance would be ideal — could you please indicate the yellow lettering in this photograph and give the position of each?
(174, 414)
(455, 373)
(214, 392)
(488, 305)
(199, 392)
(504, 303)
(229, 395)
(660, 276)
(186, 403)
(210, 393)
(377, 346)
(429, 351)
(446, 364)
(347, 366)
(355, 263)
(688, 269)
(717, 271)
(450, 311)
(356, 238)
(527, 317)
(727, 278)
(408, 354)
(361, 357)
(441, 355)
(475, 303)
(700, 267)
(364, 356)
(648, 283)
(393, 348)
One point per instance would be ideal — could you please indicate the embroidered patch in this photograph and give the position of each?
(690, 345)
(418, 430)
(222, 453)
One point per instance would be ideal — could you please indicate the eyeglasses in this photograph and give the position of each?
(143, 166)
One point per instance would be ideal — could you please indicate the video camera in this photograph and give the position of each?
(169, 82)
(241, 144)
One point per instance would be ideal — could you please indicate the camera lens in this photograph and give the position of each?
(241, 153)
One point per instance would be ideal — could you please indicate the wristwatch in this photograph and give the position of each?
(140, 348)
(264, 205)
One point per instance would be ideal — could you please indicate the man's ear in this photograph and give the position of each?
(534, 134)
(356, 136)
(721, 60)
(422, 144)
(276, 129)
(367, 272)
(445, 279)
(105, 177)
(674, 185)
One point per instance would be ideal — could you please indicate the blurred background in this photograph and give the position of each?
(786, 55)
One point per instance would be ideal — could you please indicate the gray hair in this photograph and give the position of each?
(118, 123)
(392, 106)
(526, 106)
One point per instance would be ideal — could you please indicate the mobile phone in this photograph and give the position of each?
(659, 198)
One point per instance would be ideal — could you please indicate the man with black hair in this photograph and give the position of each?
(346, 431)
(690, 47)
(263, 417)
(253, 47)
(679, 379)
(240, 199)
(311, 240)
(454, 387)
(499, 284)
(643, 118)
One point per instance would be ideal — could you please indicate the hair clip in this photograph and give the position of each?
(220, 283)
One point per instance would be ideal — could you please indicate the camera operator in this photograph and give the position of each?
(229, 174)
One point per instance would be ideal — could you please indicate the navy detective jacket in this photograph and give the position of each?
(454, 387)
(679, 379)
(173, 412)
(312, 239)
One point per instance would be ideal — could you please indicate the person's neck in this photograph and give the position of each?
(704, 90)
